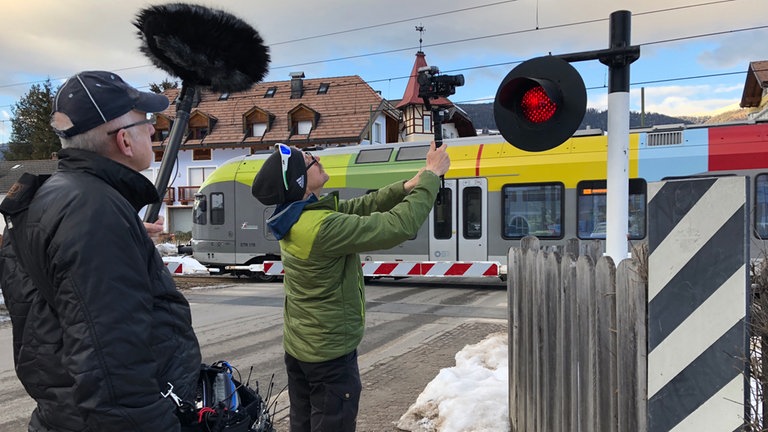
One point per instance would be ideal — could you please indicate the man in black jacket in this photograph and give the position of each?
(100, 331)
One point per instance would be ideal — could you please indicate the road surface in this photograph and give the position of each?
(413, 330)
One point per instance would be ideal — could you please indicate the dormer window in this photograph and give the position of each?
(200, 125)
(162, 128)
(198, 132)
(302, 120)
(270, 92)
(323, 89)
(160, 134)
(257, 122)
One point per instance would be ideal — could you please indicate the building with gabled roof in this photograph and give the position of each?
(755, 89)
(302, 112)
(417, 120)
(306, 113)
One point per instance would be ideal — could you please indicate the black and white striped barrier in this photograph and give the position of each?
(698, 297)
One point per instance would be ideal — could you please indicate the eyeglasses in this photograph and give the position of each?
(150, 120)
(314, 160)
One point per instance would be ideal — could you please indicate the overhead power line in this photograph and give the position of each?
(516, 32)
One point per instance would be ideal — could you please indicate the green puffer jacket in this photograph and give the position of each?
(324, 316)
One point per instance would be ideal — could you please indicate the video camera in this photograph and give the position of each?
(433, 86)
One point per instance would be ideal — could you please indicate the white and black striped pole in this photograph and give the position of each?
(617, 199)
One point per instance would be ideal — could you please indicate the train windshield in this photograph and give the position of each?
(200, 210)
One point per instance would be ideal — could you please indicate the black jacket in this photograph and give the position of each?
(100, 329)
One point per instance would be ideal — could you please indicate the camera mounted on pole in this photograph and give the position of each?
(434, 86)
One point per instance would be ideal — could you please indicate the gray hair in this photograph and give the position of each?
(96, 139)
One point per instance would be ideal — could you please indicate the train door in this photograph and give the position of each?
(458, 222)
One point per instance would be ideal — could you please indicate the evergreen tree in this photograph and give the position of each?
(163, 86)
(31, 134)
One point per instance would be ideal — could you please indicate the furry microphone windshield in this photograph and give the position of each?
(202, 46)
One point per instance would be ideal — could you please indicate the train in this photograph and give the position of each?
(493, 195)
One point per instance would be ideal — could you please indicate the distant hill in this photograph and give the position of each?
(482, 118)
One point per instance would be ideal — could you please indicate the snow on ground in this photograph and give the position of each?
(180, 264)
(469, 397)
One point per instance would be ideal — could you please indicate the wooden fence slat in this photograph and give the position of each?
(585, 290)
(514, 282)
(605, 325)
(630, 316)
(571, 346)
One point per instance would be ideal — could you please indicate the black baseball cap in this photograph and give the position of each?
(92, 98)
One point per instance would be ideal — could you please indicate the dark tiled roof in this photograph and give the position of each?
(756, 82)
(10, 171)
(343, 113)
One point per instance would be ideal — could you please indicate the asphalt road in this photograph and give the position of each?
(413, 330)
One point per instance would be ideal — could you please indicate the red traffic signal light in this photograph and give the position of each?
(540, 104)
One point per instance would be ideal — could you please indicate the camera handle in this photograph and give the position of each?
(437, 116)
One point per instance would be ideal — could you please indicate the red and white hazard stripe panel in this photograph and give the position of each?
(407, 268)
(431, 269)
(175, 267)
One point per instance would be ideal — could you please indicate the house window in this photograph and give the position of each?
(270, 92)
(198, 175)
(224, 96)
(258, 129)
(426, 123)
(377, 133)
(201, 154)
(323, 89)
(303, 127)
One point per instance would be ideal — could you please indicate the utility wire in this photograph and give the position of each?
(516, 32)
(392, 22)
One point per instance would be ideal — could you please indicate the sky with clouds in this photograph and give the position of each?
(694, 54)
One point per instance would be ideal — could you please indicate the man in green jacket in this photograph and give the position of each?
(320, 239)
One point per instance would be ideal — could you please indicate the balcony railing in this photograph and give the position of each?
(187, 194)
(170, 195)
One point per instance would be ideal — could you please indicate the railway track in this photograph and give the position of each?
(191, 281)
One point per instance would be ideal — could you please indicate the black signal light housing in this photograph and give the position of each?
(540, 104)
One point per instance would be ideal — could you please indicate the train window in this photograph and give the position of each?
(217, 208)
(591, 209)
(472, 208)
(373, 155)
(443, 217)
(761, 206)
(200, 210)
(412, 153)
(532, 209)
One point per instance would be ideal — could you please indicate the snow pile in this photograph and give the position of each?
(185, 265)
(470, 397)
(167, 249)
